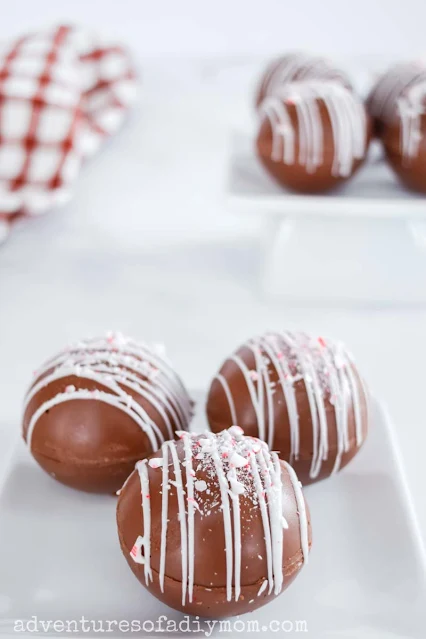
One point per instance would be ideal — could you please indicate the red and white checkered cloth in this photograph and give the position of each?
(62, 92)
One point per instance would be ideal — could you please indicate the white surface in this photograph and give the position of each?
(382, 27)
(365, 577)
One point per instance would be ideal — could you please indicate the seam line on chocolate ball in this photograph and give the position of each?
(292, 564)
(87, 463)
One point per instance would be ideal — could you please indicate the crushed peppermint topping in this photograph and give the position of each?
(235, 456)
(302, 356)
(156, 462)
(136, 551)
(236, 431)
(238, 460)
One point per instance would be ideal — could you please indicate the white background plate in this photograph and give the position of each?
(60, 558)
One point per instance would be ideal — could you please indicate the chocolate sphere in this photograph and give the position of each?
(296, 67)
(404, 138)
(214, 525)
(302, 395)
(98, 407)
(382, 100)
(312, 136)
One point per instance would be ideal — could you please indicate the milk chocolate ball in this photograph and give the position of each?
(312, 136)
(98, 407)
(214, 525)
(302, 395)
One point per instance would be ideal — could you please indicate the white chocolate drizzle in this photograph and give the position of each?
(118, 365)
(297, 67)
(348, 122)
(411, 107)
(259, 479)
(325, 367)
(145, 542)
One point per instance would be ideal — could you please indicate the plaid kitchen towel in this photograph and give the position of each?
(62, 91)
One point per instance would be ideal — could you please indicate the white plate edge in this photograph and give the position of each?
(408, 501)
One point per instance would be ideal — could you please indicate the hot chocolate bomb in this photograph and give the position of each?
(404, 137)
(302, 395)
(312, 135)
(214, 525)
(98, 407)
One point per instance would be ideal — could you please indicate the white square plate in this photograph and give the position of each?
(374, 191)
(60, 558)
